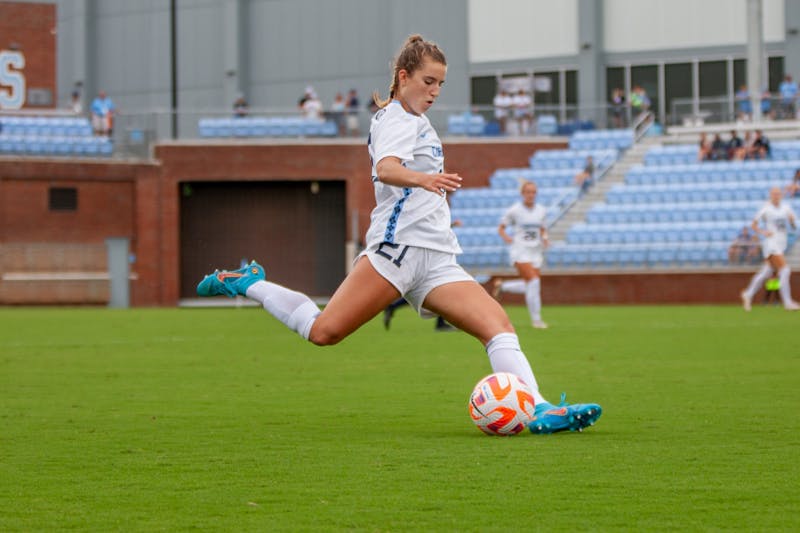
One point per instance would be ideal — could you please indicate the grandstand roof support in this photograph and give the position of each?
(591, 63)
(755, 55)
(791, 64)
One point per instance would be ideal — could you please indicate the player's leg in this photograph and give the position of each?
(533, 295)
(470, 308)
(467, 306)
(756, 282)
(361, 296)
(388, 313)
(513, 286)
(779, 265)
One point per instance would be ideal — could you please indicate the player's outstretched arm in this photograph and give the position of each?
(392, 172)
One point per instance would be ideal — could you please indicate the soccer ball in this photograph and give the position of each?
(501, 404)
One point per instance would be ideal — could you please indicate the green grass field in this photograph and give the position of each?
(172, 420)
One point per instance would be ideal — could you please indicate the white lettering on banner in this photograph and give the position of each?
(12, 80)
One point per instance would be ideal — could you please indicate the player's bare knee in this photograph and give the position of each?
(322, 335)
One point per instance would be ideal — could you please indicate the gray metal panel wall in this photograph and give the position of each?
(286, 45)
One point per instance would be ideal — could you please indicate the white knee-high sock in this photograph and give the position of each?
(505, 355)
(786, 291)
(294, 309)
(533, 298)
(758, 279)
(514, 286)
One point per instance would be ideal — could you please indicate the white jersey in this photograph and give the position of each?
(502, 105)
(408, 215)
(528, 223)
(778, 221)
(522, 104)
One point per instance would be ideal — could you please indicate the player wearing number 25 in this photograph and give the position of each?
(410, 247)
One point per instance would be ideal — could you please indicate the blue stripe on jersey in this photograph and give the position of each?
(388, 235)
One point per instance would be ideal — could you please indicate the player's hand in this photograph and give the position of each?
(767, 233)
(441, 183)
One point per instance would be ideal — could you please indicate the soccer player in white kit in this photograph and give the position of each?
(410, 246)
(777, 217)
(528, 222)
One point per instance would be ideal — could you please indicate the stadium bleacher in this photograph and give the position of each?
(54, 136)
(266, 127)
(686, 154)
(673, 211)
(480, 209)
(601, 139)
(466, 124)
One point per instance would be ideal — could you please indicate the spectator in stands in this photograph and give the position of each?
(75, 104)
(788, 92)
(760, 148)
(704, 149)
(744, 108)
(734, 145)
(413, 255)
(312, 106)
(766, 104)
(528, 221)
(502, 108)
(719, 149)
(306, 95)
(585, 178)
(777, 217)
(743, 152)
(372, 105)
(523, 111)
(522, 104)
(745, 247)
(240, 107)
(793, 189)
(352, 113)
(618, 108)
(337, 112)
(103, 111)
(640, 102)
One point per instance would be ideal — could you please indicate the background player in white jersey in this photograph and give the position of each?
(777, 217)
(410, 246)
(527, 221)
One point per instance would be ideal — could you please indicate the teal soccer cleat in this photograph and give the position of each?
(564, 417)
(231, 282)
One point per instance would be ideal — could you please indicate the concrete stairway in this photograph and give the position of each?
(614, 175)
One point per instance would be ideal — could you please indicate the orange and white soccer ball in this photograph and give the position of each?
(501, 404)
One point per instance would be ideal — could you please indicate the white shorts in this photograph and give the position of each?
(773, 246)
(519, 254)
(101, 123)
(415, 271)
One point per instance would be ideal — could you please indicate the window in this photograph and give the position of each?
(483, 90)
(646, 77)
(63, 199)
(714, 79)
(775, 73)
(615, 79)
(677, 86)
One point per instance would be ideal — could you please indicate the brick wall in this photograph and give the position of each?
(31, 29)
(142, 201)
